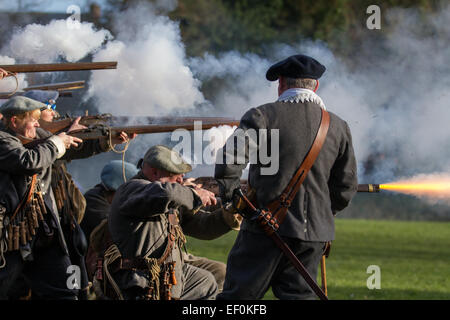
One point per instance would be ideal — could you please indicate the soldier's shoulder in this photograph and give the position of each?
(6, 136)
(261, 108)
(132, 184)
(337, 119)
(266, 106)
(339, 125)
(95, 191)
(258, 115)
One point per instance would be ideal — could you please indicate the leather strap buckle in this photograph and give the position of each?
(269, 220)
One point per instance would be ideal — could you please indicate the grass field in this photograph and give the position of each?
(414, 259)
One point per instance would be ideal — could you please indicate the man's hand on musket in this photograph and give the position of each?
(123, 138)
(189, 182)
(208, 198)
(3, 73)
(69, 141)
(76, 125)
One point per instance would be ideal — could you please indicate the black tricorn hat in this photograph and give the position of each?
(297, 66)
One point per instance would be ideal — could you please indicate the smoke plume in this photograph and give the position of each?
(152, 76)
(394, 94)
(58, 40)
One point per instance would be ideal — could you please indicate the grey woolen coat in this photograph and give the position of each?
(329, 185)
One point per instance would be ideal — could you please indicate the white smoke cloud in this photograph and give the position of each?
(49, 43)
(249, 88)
(246, 86)
(152, 77)
(56, 40)
(394, 97)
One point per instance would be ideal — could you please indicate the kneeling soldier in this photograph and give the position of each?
(149, 216)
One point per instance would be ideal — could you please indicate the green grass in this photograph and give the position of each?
(414, 259)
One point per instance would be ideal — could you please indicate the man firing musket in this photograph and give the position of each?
(290, 218)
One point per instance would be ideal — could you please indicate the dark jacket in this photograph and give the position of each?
(18, 164)
(138, 220)
(97, 209)
(328, 187)
(74, 204)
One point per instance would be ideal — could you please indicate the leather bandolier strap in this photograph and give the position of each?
(277, 209)
(270, 219)
(26, 200)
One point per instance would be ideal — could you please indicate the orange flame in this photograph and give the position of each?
(436, 186)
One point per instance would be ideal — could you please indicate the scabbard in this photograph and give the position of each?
(298, 265)
(264, 219)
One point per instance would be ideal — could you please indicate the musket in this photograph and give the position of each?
(7, 95)
(57, 126)
(52, 67)
(211, 184)
(107, 119)
(98, 131)
(60, 86)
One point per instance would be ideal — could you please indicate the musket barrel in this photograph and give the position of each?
(6, 95)
(368, 187)
(157, 128)
(98, 127)
(166, 119)
(50, 67)
(152, 128)
(153, 124)
(58, 86)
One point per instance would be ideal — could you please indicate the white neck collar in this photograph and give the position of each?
(301, 95)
